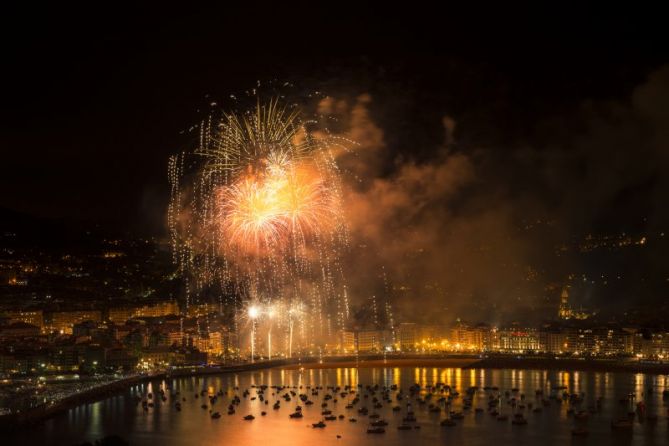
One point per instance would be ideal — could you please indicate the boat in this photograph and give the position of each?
(376, 430)
(297, 414)
(215, 415)
(448, 422)
(320, 424)
(519, 420)
(249, 417)
(352, 420)
(330, 418)
(379, 423)
(404, 427)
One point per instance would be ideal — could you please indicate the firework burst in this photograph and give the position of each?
(256, 208)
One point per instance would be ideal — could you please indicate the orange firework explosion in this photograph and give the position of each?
(260, 213)
(265, 210)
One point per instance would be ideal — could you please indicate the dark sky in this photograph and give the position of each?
(94, 100)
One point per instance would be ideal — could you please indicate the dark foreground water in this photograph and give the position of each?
(164, 425)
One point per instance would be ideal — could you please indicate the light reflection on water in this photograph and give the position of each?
(193, 425)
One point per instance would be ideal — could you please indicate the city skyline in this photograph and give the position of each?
(410, 223)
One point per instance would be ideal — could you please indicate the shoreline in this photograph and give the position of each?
(22, 420)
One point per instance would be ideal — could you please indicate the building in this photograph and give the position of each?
(465, 337)
(517, 339)
(63, 321)
(203, 309)
(599, 341)
(373, 340)
(565, 311)
(19, 330)
(120, 358)
(406, 336)
(120, 315)
(654, 345)
(35, 317)
(346, 341)
(211, 343)
(158, 309)
(553, 341)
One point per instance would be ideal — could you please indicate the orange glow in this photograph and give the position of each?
(266, 208)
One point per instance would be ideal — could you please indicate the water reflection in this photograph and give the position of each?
(164, 425)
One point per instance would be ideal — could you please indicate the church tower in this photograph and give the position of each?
(564, 311)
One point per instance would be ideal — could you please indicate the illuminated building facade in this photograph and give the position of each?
(63, 321)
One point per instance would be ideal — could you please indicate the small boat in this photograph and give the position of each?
(263, 413)
(215, 415)
(330, 418)
(352, 420)
(448, 422)
(204, 406)
(502, 418)
(379, 423)
(249, 417)
(296, 415)
(404, 427)
(376, 430)
(320, 424)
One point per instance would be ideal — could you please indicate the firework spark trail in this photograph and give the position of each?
(258, 206)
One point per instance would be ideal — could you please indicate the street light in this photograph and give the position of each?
(270, 315)
(290, 332)
(254, 312)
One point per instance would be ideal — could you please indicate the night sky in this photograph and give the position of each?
(94, 100)
(558, 123)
